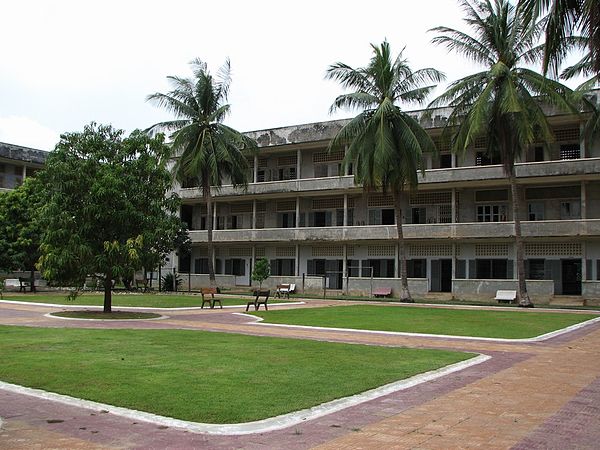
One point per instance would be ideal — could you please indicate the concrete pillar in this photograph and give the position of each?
(453, 160)
(453, 267)
(583, 200)
(346, 169)
(584, 274)
(297, 212)
(298, 164)
(396, 262)
(24, 172)
(453, 204)
(297, 260)
(255, 174)
(345, 210)
(252, 262)
(345, 266)
(254, 214)
(214, 215)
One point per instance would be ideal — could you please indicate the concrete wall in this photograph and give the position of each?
(539, 290)
(590, 289)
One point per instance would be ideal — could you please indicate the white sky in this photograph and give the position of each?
(65, 63)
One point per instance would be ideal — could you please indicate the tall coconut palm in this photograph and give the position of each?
(566, 18)
(384, 144)
(502, 103)
(206, 149)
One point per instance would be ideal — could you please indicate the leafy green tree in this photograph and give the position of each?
(208, 151)
(565, 19)
(262, 271)
(20, 229)
(384, 144)
(503, 102)
(107, 207)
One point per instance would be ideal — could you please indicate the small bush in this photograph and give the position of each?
(167, 282)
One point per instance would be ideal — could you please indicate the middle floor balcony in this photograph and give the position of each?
(454, 231)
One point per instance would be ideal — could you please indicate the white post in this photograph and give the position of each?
(255, 174)
(297, 212)
(254, 214)
(298, 164)
(214, 215)
(297, 260)
(453, 206)
(345, 210)
(583, 200)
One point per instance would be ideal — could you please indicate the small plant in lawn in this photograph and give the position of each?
(262, 271)
(171, 282)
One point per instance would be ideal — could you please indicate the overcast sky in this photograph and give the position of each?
(66, 63)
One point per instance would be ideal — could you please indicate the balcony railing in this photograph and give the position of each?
(456, 175)
(476, 230)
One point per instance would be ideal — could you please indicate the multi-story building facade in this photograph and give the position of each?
(18, 163)
(318, 228)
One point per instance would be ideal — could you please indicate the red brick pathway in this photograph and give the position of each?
(544, 395)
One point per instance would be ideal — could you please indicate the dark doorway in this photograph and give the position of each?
(446, 275)
(571, 276)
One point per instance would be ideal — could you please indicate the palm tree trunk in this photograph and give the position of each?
(404, 292)
(107, 294)
(209, 228)
(522, 295)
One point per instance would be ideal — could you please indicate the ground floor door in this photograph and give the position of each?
(240, 267)
(331, 269)
(441, 275)
(571, 276)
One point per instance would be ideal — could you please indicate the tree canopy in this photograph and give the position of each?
(19, 228)
(107, 209)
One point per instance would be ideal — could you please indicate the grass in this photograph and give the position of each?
(140, 300)
(514, 324)
(115, 315)
(202, 376)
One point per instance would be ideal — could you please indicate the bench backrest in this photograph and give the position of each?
(208, 290)
(283, 286)
(260, 294)
(506, 294)
(382, 291)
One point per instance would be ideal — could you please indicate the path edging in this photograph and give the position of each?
(259, 426)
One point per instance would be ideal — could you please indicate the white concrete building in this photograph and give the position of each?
(318, 228)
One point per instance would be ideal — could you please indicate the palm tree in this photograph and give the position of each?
(384, 144)
(564, 19)
(208, 151)
(504, 101)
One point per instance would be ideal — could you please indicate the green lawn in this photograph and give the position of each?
(141, 300)
(513, 324)
(202, 376)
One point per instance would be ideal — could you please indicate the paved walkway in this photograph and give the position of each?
(529, 395)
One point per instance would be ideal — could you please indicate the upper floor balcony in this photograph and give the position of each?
(562, 170)
(455, 231)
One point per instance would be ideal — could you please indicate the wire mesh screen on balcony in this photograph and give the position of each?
(431, 198)
(381, 250)
(328, 250)
(430, 250)
(491, 250)
(328, 156)
(553, 249)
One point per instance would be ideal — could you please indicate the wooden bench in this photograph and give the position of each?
(257, 300)
(506, 296)
(382, 292)
(211, 301)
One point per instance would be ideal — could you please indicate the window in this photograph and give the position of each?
(384, 216)
(353, 267)
(536, 211)
(445, 161)
(569, 151)
(283, 267)
(286, 220)
(201, 265)
(328, 170)
(538, 154)
(491, 213)
(416, 268)
(287, 173)
(495, 269)
(382, 268)
(535, 269)
(483, 159)
(419, 215)
(570, 210)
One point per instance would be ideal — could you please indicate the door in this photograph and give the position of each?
(241, 269)
(571, 276)
(446, 275)
(334, 273)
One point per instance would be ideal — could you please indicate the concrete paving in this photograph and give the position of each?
(528, 395)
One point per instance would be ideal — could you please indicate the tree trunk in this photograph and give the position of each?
(107, 294)
(32, 280)
(209, 228)
(404, 292)
(522, 295)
